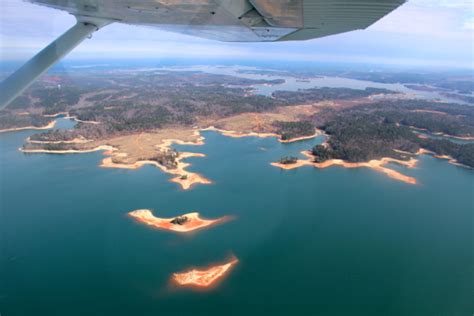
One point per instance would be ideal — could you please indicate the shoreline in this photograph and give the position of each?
(16, 129)
(50, 125)
(441, 134)
(450, 159)
(194, 222)
(69, 117)
(300, 138)
(377, 165)
(236, 134)
(77, 140)
(67, 151)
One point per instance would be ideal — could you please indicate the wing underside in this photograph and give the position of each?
(238, 20)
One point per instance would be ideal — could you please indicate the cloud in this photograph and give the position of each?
(458, 4)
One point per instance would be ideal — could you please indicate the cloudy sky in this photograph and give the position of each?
(422, 32)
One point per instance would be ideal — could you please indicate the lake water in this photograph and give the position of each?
(295, 84)
(310, 242)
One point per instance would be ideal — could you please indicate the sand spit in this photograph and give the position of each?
(378, 165)
(194, 222)
(14, 129)
(203, 278)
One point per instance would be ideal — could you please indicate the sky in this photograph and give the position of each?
(420, 33)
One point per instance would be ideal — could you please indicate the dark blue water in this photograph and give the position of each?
(310, 242)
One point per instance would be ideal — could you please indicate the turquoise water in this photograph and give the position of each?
(310, 242)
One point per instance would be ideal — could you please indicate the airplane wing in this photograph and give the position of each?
(225, 20)
(238, 20)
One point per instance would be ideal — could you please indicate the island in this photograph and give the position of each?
(204, 277)
(180, 224)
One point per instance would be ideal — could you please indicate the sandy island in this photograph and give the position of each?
(204, 278)
(193, 222)
(378, 165)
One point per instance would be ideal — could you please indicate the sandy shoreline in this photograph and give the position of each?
(235, 134)
(450, 159)
(69, 117)
(203, 278)
(77, 140)
(297, 139)
(194, 222)
(468, 138)
(67, 151)
(50, 125)
(377, 165)
(15, 129)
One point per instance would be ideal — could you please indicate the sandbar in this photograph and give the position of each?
(194, 222)
(203, 278)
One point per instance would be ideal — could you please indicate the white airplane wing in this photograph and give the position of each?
(225, 20)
